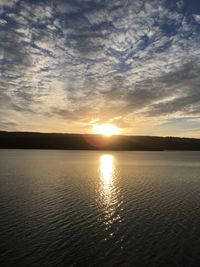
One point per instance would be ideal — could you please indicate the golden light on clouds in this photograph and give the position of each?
(106, 129)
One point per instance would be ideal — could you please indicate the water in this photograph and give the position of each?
(74, 208)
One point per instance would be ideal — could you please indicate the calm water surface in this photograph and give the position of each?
(74, 208)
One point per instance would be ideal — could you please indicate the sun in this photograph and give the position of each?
(106, 129)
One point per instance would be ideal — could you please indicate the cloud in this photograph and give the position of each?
(9, 3)
(184, 83)
(197, 18)
(120, 59)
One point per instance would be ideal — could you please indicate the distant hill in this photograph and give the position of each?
(28, 140)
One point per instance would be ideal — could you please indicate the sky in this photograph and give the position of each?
(67, 65)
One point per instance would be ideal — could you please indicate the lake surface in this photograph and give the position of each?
(86, 208)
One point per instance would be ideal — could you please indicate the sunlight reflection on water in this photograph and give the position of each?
(106, 173)
(108, 191)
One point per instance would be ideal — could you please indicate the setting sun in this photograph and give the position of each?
(106, 129)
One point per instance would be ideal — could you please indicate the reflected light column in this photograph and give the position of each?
(108, 191)
(107, 170)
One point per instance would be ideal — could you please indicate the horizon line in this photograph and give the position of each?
(94, 134)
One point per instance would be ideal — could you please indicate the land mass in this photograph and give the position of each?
(33, 140)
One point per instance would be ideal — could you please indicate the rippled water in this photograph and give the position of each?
(73, 208)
